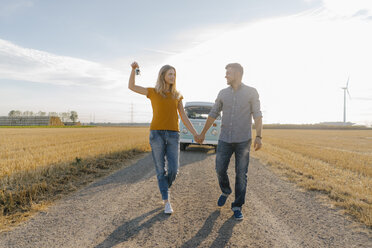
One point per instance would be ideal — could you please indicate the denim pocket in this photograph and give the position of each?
(152, 135)
(174, 134)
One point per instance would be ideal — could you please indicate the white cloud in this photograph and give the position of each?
(349, 8)
(298, 64)
(25, 64)
(160, 51)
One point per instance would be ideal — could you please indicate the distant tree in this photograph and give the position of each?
(65, 116)
(12, 113)
(28, 113)
(54, 114)
(15, 113)
(74, 116)
(41, 113)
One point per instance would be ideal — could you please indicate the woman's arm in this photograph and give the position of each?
(132, 84)
(186, 120)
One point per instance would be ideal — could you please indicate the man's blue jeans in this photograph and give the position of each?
(224, 153)
(165, 146)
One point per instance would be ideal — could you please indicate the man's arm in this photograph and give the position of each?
(257, 116)
(213, 114)
(257, 140)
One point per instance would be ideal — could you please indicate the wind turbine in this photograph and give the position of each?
(346, 89)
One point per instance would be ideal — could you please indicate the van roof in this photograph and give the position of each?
(191, 104)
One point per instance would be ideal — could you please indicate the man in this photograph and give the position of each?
(239, 103)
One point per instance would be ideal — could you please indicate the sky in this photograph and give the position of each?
(58, 56)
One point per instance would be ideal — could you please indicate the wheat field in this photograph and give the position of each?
(335, 162)
(36, 164)
(39, 164)
(28, 148)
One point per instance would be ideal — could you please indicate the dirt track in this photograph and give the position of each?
(125, 210)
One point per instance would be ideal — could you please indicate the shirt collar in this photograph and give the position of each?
(240, 86)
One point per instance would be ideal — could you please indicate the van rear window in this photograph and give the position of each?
(198, 112)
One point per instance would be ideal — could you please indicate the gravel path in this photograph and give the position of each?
(125, 210)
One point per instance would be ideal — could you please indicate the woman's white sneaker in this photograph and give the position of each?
(168, 208)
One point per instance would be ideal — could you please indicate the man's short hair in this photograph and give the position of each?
(236, 66)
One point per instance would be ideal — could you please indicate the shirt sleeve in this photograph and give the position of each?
(217, 107)
(150, 91)
(256, 105)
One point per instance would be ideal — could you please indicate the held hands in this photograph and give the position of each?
(199, 138)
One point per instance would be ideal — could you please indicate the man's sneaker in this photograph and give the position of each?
(168, 208)
(222, 200)
(238, 214)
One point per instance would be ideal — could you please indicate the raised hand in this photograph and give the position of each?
(132, 81)
(134, 65)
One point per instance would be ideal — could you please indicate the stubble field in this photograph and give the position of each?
(40, 164)
(337, 163)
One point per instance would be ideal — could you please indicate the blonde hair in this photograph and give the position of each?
(160, 86)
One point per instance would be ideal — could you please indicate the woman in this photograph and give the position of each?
(164, 129)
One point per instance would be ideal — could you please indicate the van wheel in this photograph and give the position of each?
(183, 146)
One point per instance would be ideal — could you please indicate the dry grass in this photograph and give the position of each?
(40, 164)
(37, 165)
(337, 163)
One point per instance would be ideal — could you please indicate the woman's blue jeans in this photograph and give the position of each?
(224, 153)
(165, 146)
